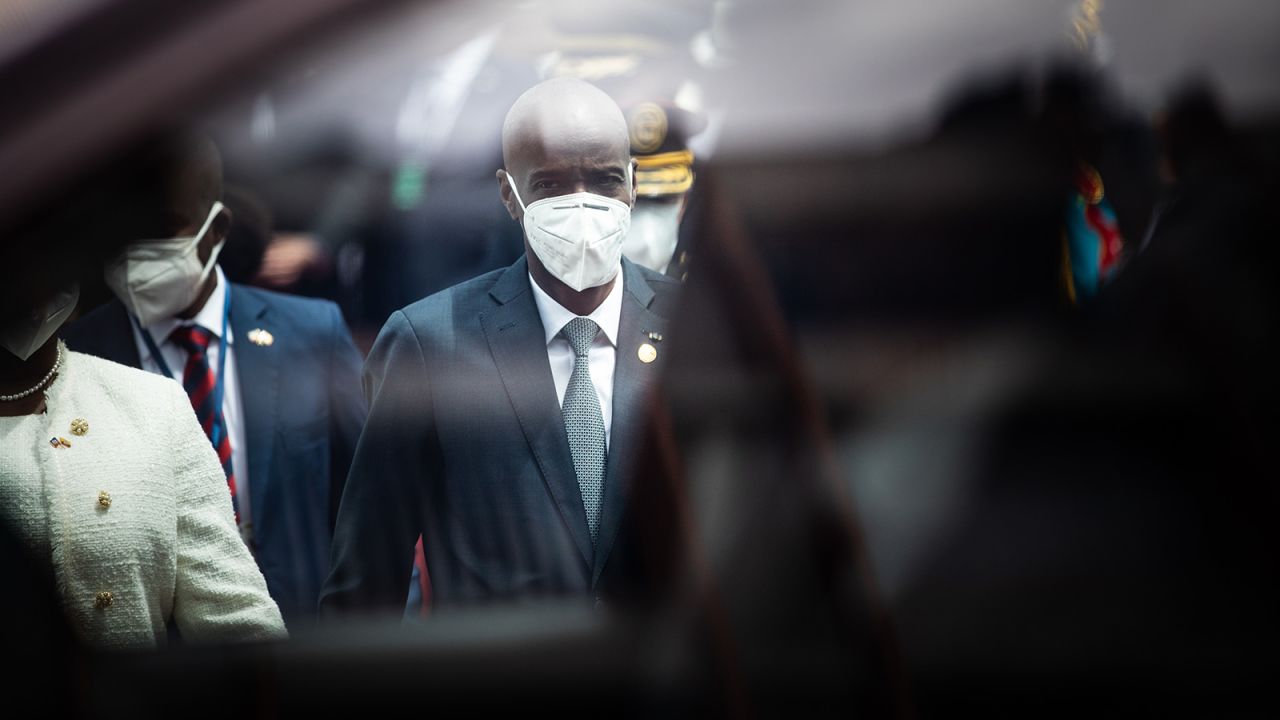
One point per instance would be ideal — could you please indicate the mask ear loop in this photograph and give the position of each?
(207, 270)
(511, 183)
(214, 211)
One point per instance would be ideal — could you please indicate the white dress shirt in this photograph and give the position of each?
(209, 318)
(603, 355)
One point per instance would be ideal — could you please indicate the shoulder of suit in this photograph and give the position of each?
(665, 290)
(279, 300)
(284, 306)
(111, 307)
(657, 280)
(464, 294)
(88, 327)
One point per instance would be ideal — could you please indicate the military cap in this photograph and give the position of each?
(660, 134)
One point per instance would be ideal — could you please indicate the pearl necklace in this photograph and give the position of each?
(62, 353)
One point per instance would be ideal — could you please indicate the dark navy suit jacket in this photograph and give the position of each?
(466, 444)
(303, 413)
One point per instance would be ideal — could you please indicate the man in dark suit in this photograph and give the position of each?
(504, 410)
(274, 379)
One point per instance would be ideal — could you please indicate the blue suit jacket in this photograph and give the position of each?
(466, 444)
(303, 413)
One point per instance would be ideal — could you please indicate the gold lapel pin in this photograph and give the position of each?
(647, 353)
(656, 337)
(79, 427)
(261, 337)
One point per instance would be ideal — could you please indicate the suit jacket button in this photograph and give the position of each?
(103, 600)
(104, 499)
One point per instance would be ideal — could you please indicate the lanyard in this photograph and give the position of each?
(218, 428)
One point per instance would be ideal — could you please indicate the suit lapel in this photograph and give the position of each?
(631, 381)
(257, 370)
(517, 341)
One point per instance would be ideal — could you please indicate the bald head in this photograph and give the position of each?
(560, 111)
(564, 136)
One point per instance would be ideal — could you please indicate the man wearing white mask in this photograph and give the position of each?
(504, 411)
(273, 379)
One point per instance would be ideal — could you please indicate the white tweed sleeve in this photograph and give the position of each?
(220, 595)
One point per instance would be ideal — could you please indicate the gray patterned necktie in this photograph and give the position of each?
(584, 422)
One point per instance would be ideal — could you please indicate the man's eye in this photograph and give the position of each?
(544, 184)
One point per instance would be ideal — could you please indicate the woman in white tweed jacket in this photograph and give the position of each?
(133, 508)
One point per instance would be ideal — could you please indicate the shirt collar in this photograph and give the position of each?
(209, 317)
(555, 316)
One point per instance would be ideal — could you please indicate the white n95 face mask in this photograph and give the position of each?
(159, 279)
(655, 229)
(26, 336)
(577, 237)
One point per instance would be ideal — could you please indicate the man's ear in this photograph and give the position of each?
(508, 199)
(221, 225)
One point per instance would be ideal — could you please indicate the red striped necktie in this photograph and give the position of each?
(199, 381)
